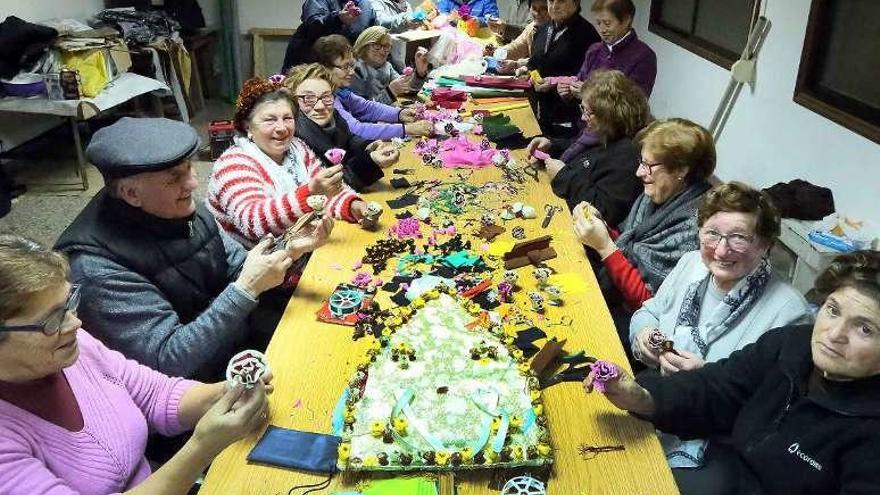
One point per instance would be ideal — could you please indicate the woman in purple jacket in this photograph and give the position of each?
(620, 49)
(65, 397)
(365, 118)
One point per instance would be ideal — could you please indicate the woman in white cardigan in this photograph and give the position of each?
(718, 299)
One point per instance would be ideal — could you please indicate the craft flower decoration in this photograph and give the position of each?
(400, 425)
(603, 372)
(344, 451)
(377, 428)
(361, 279)
(276, 78)
(335, 155)
(442, 458)
(406, 228)
(544, 449)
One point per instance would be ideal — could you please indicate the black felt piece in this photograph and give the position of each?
(403, 201)
(483, 300)
(514, 141)
(578, 358)
(445, 271)
(530, 334)
(391, 287)
(400, 298)
(528, 349)
(400, 183)
(402, 215)
(569, 374)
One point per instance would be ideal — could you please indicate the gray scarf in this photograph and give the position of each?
(654, 237)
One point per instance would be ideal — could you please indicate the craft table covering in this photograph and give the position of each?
(313, 362)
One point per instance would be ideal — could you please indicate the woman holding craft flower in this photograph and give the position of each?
(65, 396)
(261, 184)
(797, 408)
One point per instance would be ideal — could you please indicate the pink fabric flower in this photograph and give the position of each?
(362, 279)
(603, 372)
(540, 155)
(335, 155)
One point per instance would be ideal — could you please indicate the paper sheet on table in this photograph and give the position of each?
(570, 283)
(498, 248)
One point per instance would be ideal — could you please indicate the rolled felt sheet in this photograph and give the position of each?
(540, 155)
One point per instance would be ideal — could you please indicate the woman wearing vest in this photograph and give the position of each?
(374, 77)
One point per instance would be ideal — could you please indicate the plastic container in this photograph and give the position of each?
(24, 85)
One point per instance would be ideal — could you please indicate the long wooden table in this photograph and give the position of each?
(313, 362)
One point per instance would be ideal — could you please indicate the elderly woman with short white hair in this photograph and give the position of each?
(374, 76)
(74, 415)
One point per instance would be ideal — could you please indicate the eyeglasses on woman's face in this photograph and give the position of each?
(379, 47)
(53, 323)
(309, 100)
(647, 166)
(736, 241)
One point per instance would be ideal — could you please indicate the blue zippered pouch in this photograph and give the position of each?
(314, 452)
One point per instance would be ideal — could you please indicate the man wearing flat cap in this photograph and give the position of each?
(160, 283)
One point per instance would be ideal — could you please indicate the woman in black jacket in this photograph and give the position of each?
(604, 174)
(558, 49)
(800, 407)
(318, 124)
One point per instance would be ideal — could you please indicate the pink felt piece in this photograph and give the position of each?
(335, 155)
(459, 152)
(540, 155)
(561, 79)
(407, 71)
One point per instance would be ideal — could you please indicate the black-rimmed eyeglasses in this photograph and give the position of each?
(53, 323)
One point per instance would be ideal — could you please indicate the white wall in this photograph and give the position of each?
(768, 138)
(37, 10)
(269, 14)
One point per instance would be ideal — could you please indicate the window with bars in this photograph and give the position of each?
(716, 30)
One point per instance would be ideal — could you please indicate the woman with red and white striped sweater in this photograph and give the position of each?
(260, 184)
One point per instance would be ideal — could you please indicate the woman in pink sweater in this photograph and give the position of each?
(74, 415)
(260, 184)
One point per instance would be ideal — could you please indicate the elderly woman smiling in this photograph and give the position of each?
(677, 156)
(374, 77)
(259, 185)
(64, 397)
(799, 406)
(718, 299)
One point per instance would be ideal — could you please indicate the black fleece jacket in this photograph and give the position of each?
(796, 432)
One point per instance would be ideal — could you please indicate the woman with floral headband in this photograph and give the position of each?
(260, 184)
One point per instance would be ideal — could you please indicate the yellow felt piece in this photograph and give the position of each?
(570, 283)
(498, 248)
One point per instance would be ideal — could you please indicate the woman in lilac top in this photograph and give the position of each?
(365, 118)
(74, 415)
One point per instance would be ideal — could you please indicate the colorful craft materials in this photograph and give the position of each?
(660, 343)
(383, 250)
(537, 301)
(603, 372)
(542, 275)
(406, 228)
(361, 279)
(335, 155)
(518, 232)
(554, 295)
(511, 276)
(247, 367)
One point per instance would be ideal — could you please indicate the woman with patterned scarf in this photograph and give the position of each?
(717, 299)
(677, 156)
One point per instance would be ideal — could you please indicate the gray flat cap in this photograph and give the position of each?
(136, 145)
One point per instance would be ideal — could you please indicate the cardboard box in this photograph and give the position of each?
(220, 133)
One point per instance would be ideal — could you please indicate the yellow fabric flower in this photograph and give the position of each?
(516, 421)
(539, 409)
(535, 395)
(371, 461)
(544, 449)
(467, 454)
(496, 424)
(418, 303)
(524, 367)
(400, 425)
(442, 458)
(377, 428)
(517, 452)
(344, 451)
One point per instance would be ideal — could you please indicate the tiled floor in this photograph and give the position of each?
(43, 217)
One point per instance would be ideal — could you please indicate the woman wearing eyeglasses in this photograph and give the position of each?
(320, 126)
(798, 409)
(74, 415)
(604, 175)
(717, 299)
(677, 158)
(260, 184)
(365, 119)
(374, 77)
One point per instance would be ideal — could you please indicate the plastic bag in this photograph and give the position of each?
(93, 69)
